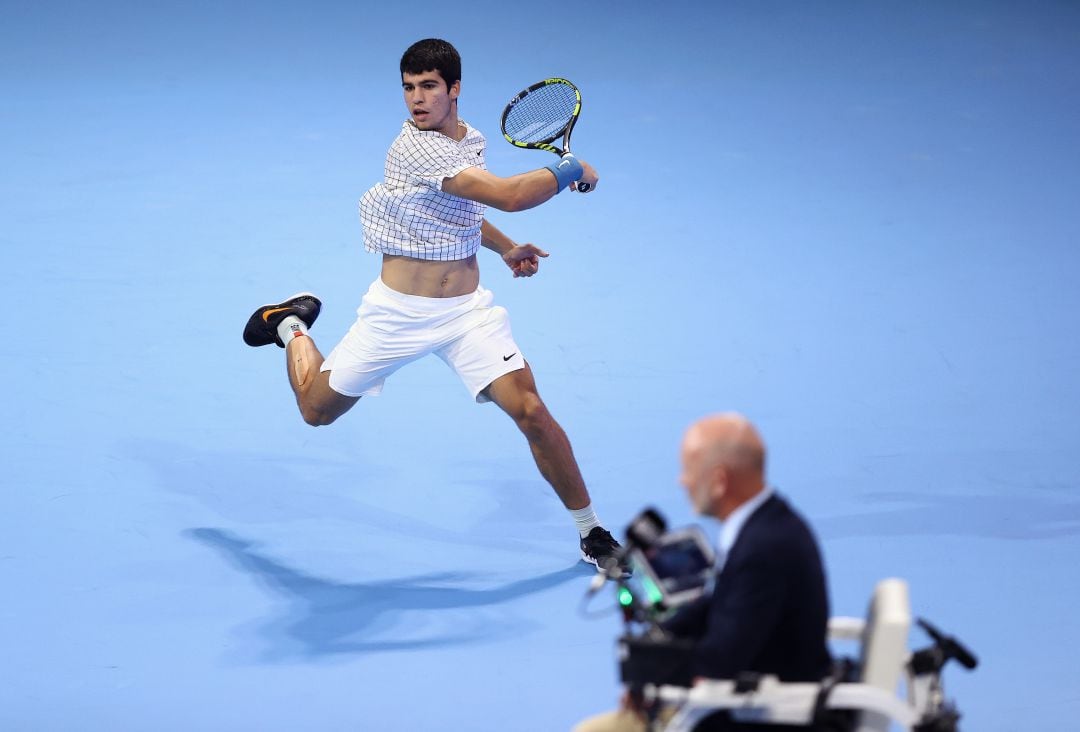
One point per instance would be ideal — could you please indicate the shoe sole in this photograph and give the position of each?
(289, 299)
(624, 572)
(276, 307)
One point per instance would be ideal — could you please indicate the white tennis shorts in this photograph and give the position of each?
(393, 329)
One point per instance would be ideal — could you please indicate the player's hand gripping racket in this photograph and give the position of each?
(538, 115)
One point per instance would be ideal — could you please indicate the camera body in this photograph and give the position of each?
(668, 569)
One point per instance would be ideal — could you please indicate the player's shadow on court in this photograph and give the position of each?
(329, 618)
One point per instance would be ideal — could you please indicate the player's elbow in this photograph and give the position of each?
(513, 205)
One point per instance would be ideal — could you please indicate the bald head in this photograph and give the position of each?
(723, 459)
(727, 438)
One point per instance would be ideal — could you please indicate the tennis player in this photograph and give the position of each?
(426, 219)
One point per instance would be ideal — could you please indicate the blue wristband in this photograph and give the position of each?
(567, 170)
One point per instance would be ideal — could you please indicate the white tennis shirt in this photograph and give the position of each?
(408, 213)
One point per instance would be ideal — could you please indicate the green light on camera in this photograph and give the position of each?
(654, 593)
(626, 599)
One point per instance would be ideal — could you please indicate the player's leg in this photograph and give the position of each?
(319, 404)
(516, 394)
(286, 324)
(490, 364)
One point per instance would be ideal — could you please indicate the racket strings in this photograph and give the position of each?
(542, 114)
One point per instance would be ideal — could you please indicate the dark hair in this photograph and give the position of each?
(432, 54)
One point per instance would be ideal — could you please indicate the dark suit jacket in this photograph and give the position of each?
(769, 611)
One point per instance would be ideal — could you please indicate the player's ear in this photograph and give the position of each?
(455, 90)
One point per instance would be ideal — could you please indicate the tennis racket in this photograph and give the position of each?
(538, 115)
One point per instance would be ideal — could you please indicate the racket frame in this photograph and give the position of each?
(564, 131)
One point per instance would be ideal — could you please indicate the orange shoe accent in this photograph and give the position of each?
(268, 313)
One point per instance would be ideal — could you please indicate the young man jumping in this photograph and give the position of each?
(426, 219)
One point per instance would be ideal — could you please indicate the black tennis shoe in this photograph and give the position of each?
(261, 328)
(601, 549)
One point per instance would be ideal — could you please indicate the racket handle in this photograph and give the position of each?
(583, 187)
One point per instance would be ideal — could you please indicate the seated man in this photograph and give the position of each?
(769, 610)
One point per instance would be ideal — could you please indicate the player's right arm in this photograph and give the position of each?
(516, 193)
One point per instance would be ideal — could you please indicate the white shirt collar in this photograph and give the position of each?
(732, 525)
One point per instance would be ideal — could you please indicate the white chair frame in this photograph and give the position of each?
(883, 662)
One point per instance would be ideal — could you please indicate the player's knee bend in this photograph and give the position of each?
(533, 417)
(317, 417)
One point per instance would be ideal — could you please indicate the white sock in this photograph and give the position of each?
(586, 520)
(290, 327)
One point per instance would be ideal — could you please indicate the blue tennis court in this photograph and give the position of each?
(854, 222)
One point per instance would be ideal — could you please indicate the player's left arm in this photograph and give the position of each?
(522, 259)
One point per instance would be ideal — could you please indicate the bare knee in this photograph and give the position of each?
(323, 412)
(317, 417)
(533, 417)
(319, 404)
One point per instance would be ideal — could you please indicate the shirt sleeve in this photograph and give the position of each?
(429, 159)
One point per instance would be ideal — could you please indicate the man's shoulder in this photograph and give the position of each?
(431, 151)
(472, 135)
(776, 523)
(776, 508)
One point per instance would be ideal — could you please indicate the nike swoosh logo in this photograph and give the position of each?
(507, 358)
(268, 313)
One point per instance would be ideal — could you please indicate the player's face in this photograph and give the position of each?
(431, 105)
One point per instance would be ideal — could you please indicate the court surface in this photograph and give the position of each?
(854, 222)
